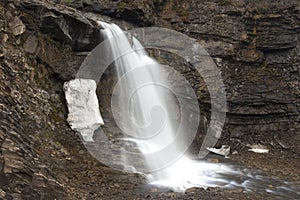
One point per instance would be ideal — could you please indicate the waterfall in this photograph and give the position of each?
(144, 115)
(142, 105)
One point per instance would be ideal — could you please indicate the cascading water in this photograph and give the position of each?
(141, 106)
(147, 120)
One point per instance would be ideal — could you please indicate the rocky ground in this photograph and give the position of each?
(43, 43)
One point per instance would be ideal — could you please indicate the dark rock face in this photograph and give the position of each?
(255, 45)
(66, 25)
(23, 173)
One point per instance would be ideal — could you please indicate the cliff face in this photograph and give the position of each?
(255, 44)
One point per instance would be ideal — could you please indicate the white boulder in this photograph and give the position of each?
(84, 114)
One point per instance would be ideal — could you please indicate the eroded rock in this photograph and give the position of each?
(2, 194)
(31, 44)
(2, 51)
(17, 26)
(66, 25)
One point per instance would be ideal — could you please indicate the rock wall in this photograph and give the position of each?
(25, 111)
(256, 47)
(254, 43)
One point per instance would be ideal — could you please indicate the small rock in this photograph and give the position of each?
(2, 194)
(192, 190)
(31, 44)
(13, 157)
(236, 190)
(16, 196)
(39, 179)
(4, 38)
(258, 148)
(244, 36)
(81, 152)
(213, 160)
(153, 190)
(2, 51)
(234, 152)
(251, 55)
(17, 26)
(223, 151)
(17, 2)
(8, 15)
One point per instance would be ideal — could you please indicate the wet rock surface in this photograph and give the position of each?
(255, 45)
